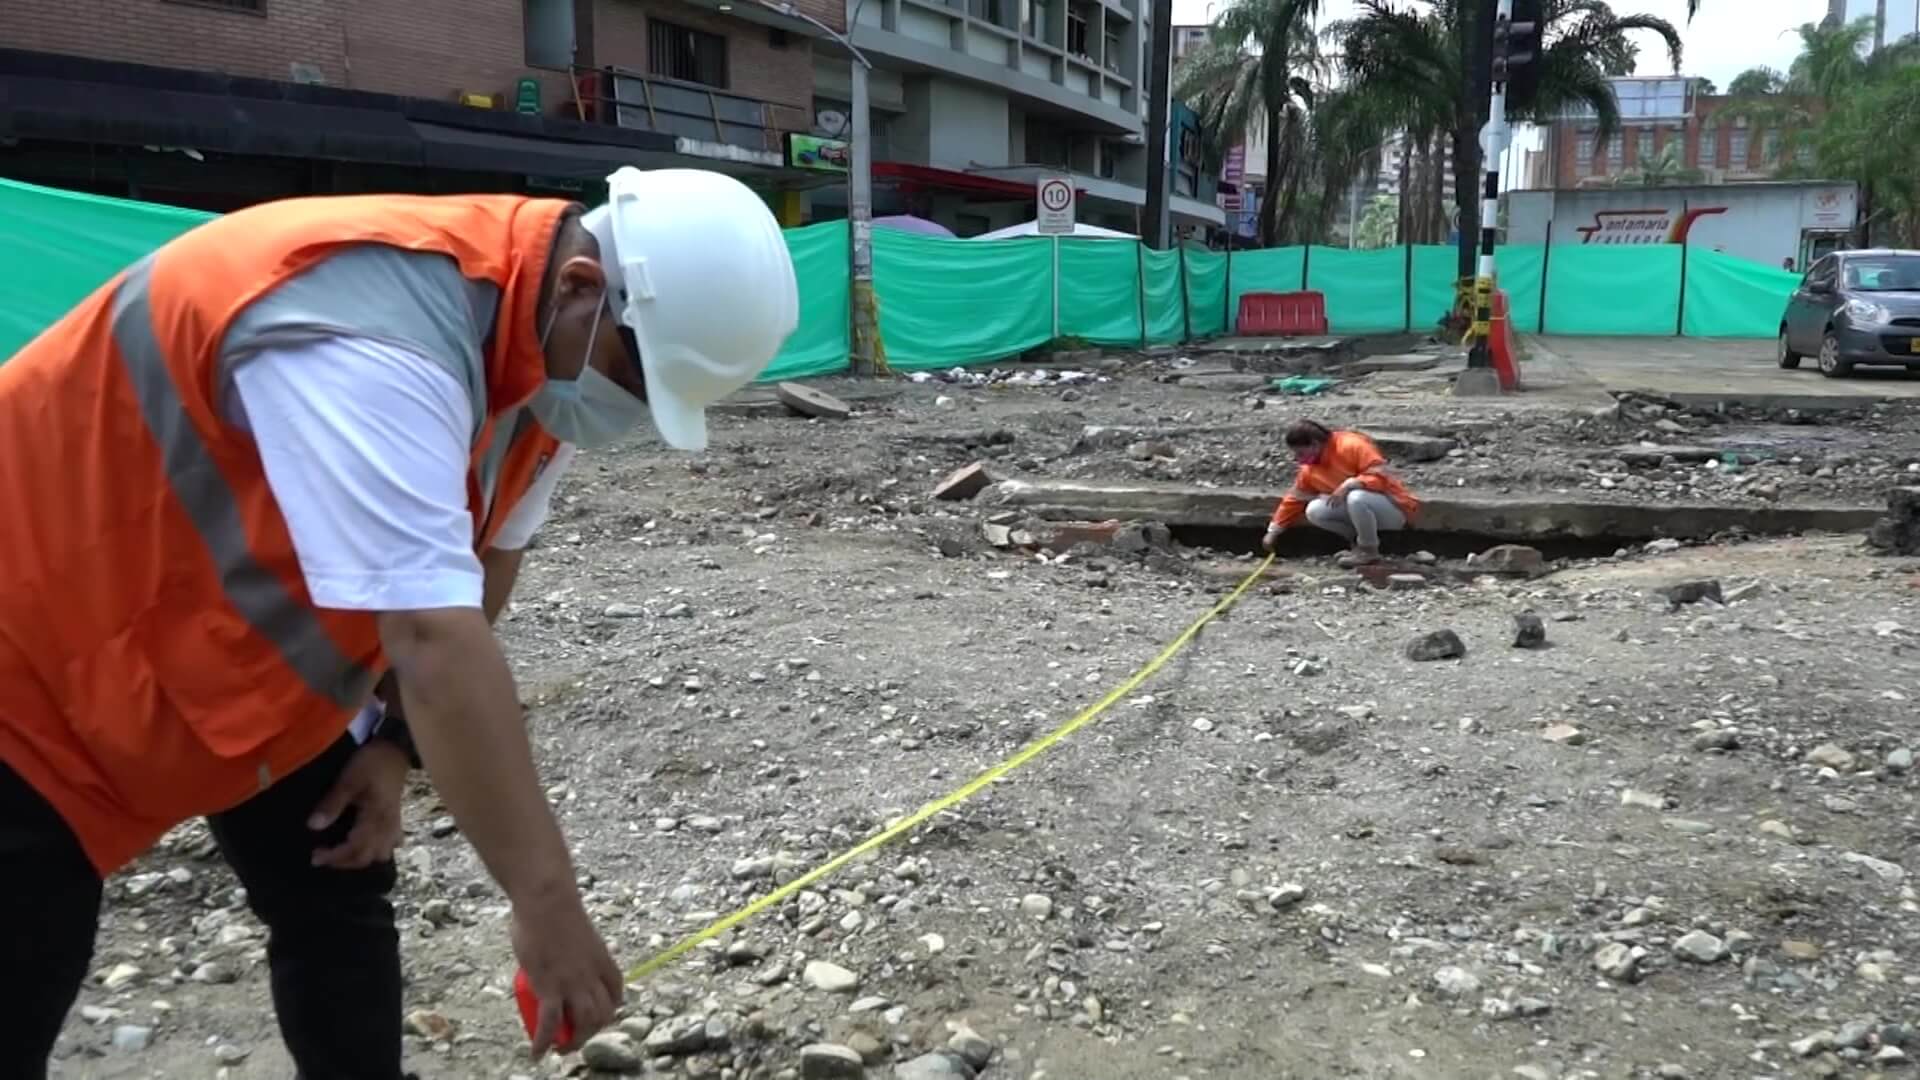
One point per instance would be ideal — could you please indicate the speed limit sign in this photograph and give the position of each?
(1055, 197)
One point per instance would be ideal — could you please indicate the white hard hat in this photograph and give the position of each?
(698, 271)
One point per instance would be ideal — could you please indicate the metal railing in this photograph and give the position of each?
(643, 102)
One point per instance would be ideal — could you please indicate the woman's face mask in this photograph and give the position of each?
(592, 410)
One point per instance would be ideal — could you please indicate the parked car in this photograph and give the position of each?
(1855, 308)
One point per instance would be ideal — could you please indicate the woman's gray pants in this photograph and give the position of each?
(1360, 517)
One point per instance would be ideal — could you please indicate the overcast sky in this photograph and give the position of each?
(1726, 38)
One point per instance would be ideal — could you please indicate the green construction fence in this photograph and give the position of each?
(948, 302)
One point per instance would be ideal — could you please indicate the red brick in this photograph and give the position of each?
(964, 483)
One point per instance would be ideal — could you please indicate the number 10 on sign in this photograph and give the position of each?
(1055, 198)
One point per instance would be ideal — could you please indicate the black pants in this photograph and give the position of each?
(333, 952)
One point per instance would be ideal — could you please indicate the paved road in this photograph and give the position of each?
(1740, 369)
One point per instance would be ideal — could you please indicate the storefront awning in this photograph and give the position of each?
(69, 99)
(908, 176)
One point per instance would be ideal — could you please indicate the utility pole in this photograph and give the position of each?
(1879, 25)
(1513, 60)
(863, 312)
(1159, 159)
(863, 308)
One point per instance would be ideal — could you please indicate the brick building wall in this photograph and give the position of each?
(757, 67)
(1708, 140)
(417, 48)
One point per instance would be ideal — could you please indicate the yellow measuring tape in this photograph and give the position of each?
(962, 794)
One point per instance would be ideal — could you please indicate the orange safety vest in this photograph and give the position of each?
(160, 657)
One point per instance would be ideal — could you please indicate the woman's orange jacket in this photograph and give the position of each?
(1348, 455)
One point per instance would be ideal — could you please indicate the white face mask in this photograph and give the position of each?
(592, 410)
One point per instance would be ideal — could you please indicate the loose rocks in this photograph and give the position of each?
(1515, 559)
(1528, 631)
(1682, 593)
(1700, 947)
(831, 978)
(830, 1061)
(1439, 645)
(1618, 962)
(939, 1065)
(611, 1051)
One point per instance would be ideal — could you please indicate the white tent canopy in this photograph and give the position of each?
(1032, 228)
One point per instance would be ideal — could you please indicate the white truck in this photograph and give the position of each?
(1767, 222)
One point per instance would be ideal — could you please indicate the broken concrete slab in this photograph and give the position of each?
(759, 403)
(964, 483)
(1071, 535)
(1500, 517)
(808, 402)
(1397, 445)
(1369, 365)
(1410, 445)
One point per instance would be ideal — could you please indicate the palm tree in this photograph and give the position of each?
(1257, 66)
(1412, 62)
(1836, 63)
(1664, 169)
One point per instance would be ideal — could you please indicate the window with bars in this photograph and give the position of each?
(1770, 148)
(1709, 147)
(1583, 150)
(1737, 149)
(1616, 150)
(1804, 154)
(678, 52)
(1643, 149)
(1077, 32)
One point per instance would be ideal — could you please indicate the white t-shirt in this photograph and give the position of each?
(366, 448)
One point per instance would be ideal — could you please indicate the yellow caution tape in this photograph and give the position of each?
(963, 793)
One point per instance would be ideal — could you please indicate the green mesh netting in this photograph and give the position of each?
(1099, 292)
(1603, 289)
(1366, 291)
(1207, 291)
(819, 345)
(946, 302)
(1732, 297)
(56, 247)
(1166, 309)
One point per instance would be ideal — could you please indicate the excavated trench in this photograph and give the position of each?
(1307, 541)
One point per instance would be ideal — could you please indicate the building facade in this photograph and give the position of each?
(1670, 132)
(219, 103)
(973, 101)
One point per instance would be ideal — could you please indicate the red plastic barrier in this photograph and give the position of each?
(1287, 314)
(1503, 347)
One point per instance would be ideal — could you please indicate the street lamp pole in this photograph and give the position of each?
(863, 310)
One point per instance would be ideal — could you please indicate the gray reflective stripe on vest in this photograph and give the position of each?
(260, 597)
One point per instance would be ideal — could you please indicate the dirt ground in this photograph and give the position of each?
(1669, 844)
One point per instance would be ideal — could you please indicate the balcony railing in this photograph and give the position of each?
(643, 102)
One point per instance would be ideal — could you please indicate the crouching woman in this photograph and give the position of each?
(1344, 487)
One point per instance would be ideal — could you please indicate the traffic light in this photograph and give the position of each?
(1516, 55)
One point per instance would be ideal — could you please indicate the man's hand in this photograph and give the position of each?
(464, 715)
(569, 967)
(372, 784)
(1272, 539)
